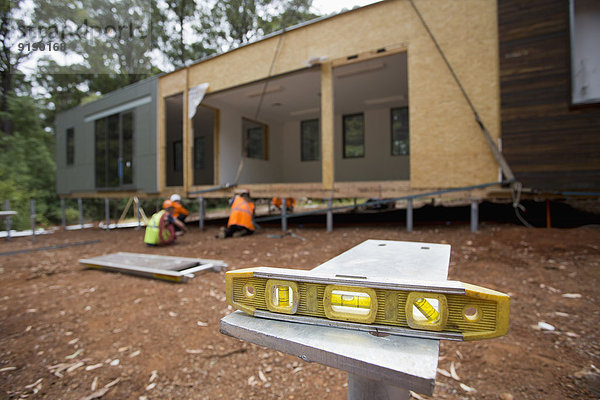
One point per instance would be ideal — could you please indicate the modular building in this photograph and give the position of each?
(381, 101)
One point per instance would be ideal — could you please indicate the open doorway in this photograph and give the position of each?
(204, 144)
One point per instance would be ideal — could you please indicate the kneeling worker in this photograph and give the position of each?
(240, 218)
(161, 228)
(180, 212)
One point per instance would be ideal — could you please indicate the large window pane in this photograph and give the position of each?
(309, 140)
(178, 155)
(400, 138)
(127, 150)
(255, 139)
(354, 135)
(113, 150)
(199, 152)
(100, 139)
(70, 146)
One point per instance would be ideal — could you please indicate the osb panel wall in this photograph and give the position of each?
(447, 146)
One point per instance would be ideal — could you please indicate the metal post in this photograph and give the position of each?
(7, 221)
(409, 215)
(63, 218)
(138, 213)
(201, 212)
(360, 388)
(329, 215)
(474, 215)
(284, 214)
(80, 206)
(32, 218)
(107, 212)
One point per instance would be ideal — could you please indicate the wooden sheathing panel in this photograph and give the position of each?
(550, 144)
(447, 146)
(168, 85)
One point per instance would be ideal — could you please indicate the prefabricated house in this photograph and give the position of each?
(378, 101)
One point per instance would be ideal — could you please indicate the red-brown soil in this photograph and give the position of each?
(63, 328)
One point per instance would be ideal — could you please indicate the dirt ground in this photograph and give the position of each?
(71, 333)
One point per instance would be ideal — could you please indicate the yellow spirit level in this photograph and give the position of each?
(440, 310)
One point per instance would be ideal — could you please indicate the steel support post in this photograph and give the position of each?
(80, 207)
(107, 212)
(409, 215)
(330, 215)
(284, 214)
(63, 217)
(201, 212)
(32, 218)
(138, 213)
(7, 221)
(474, 215)
(360, 388)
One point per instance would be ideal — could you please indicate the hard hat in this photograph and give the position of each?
(175, 197)
(166, 204)
(245, 191)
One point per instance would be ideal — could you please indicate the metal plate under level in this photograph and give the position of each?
(174, 269)
(400, 361)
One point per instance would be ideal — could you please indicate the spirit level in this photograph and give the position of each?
(441, 310)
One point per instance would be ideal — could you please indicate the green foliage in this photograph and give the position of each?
(27, 169)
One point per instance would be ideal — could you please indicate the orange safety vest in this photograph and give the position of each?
(179, 209)
(242, 211)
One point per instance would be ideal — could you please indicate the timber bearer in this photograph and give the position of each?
(241, 216)
(161, 228)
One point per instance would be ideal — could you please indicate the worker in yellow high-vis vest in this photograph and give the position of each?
(161, 227)
(241, 216)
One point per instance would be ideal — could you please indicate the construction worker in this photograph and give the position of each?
(180, 212)
(290, 203)
(161, 227)
(240, 218)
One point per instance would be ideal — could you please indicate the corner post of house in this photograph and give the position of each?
(327, 126)
(330, 214)
(187, 136)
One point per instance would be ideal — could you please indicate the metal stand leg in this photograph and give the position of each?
(201, 211)
(474, 215)
(7, 221)
(329, 215)
(63, 217)
(80, 206)
(409, 215)
(284, 214)
(107, 212)
(32, 218)
(360, 388)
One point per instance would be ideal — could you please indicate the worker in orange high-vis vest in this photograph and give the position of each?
(241, 216)
(180, 212)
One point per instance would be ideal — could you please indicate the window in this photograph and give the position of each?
(255, 139)
(199, 152)
(177, 155)
(354, 135)
(70, 146)
(400, 143)
(309, 140)
(585, 54)
(113, 136)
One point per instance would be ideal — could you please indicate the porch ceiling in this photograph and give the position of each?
(376, 83)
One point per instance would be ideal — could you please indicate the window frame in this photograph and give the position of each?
(103, 137)
(317, 154)
(344, 144)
